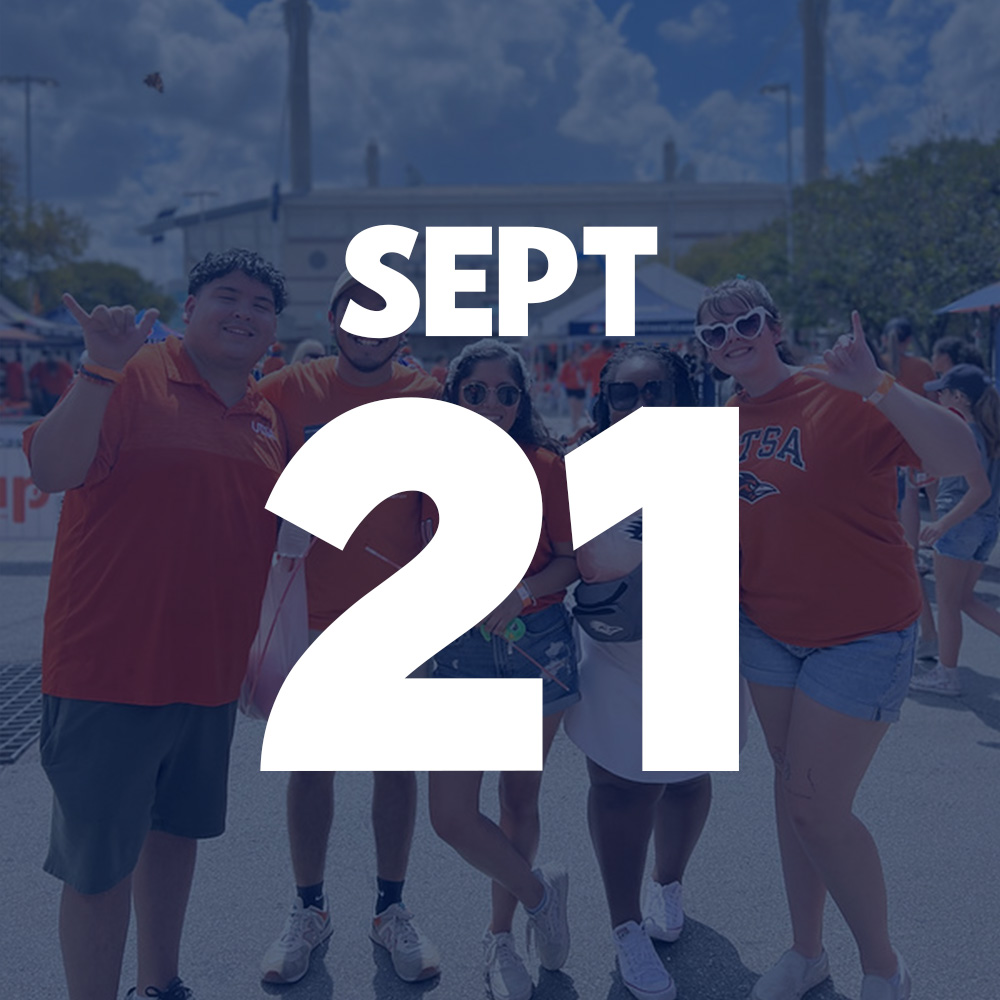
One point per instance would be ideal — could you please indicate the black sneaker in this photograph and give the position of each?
(176, 990)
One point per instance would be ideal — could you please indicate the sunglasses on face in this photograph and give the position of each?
(624, 395)
(747, 326)
(476, 393)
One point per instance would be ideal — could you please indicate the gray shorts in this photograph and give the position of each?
(119, 771)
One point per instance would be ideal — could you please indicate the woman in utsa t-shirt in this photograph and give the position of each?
(627, 806)
(829, 597)
(490, 378)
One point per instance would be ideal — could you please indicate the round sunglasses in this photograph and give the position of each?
(747, 326)
(624, 395)
(476, 393)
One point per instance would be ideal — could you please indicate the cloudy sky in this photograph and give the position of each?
(467, 91)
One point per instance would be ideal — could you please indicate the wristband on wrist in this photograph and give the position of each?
(527, 597)
(98, 379)
(887, 382)
(99, 373)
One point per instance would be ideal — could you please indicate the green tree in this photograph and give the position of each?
(41, 256)
(94, 282)
(919, 230)
(50, 238)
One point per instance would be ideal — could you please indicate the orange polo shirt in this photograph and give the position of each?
(308, 397)
(162, 554)
(823, 557)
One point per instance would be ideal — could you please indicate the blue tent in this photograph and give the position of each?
(654, 316)
(979, 301)
(985, 300)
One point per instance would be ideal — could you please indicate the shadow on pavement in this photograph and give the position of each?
(980, 695)
(706, 966)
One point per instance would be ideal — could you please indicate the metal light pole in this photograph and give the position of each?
(201, 196)
(43, 81)
(775, 88)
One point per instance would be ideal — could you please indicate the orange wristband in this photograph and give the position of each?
(888, 381)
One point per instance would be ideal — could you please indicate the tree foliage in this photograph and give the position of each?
(916, 232)
(40, 256)
(94, 282)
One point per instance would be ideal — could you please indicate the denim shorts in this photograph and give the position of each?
(548, 641)
(866, 679)
(973, 538)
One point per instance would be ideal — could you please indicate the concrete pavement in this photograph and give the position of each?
(930, 800)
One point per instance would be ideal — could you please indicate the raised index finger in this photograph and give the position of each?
(856, 328)
(78, 312)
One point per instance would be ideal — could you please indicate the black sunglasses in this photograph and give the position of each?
(475, 393)
(624, 395)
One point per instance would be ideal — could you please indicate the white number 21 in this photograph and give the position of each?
(674, 463)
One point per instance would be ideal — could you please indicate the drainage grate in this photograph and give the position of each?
(20, 708)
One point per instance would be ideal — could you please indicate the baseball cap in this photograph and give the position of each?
(970, 379)
(343, 283)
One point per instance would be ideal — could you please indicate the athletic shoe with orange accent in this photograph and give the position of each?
(414, 956)
(287, 960)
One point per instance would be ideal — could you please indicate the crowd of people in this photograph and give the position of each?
(147, 633)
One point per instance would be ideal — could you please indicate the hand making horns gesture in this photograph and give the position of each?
(112, 335)
(849, 364)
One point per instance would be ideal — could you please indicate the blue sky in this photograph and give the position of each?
(468, 91)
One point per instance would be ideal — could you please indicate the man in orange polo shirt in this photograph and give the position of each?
(308, 397)
(167, 455)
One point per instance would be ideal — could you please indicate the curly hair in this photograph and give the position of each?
(674, 367)
(255, 267)
(528, 427)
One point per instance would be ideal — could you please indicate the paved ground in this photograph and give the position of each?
(930, 799)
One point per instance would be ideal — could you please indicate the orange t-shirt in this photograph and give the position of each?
(914, 372)
(823, 557)
(308, 397)
(550, 471)
(273, 363)
(53, 379)
(592, 365)
(571, 375)
(162, 554)
(15, 382)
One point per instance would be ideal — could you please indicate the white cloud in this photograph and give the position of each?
(618, 102)
(962, 86)
(707, 21)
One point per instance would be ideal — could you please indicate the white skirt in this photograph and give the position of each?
(606, 723)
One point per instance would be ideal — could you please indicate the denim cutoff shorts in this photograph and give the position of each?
(548, 641)
(974, 538)
(866, 679)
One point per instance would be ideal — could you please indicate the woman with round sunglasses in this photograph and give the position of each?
(527, 635)
(829, 599)
(626, 806)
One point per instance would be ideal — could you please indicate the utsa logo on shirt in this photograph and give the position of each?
(763, 444)
(753, 489)
(773, 442)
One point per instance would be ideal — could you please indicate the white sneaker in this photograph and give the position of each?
(662, 910)
(287, 960)
(791, 976)
(640, 967)
(507, 977)
(414, 956)
(927, 649)
(939, 680)
(550, 926)
(878, 988)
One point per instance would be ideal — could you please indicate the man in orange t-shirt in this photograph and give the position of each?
(308, 397)
(49, 378)
(167, 456)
